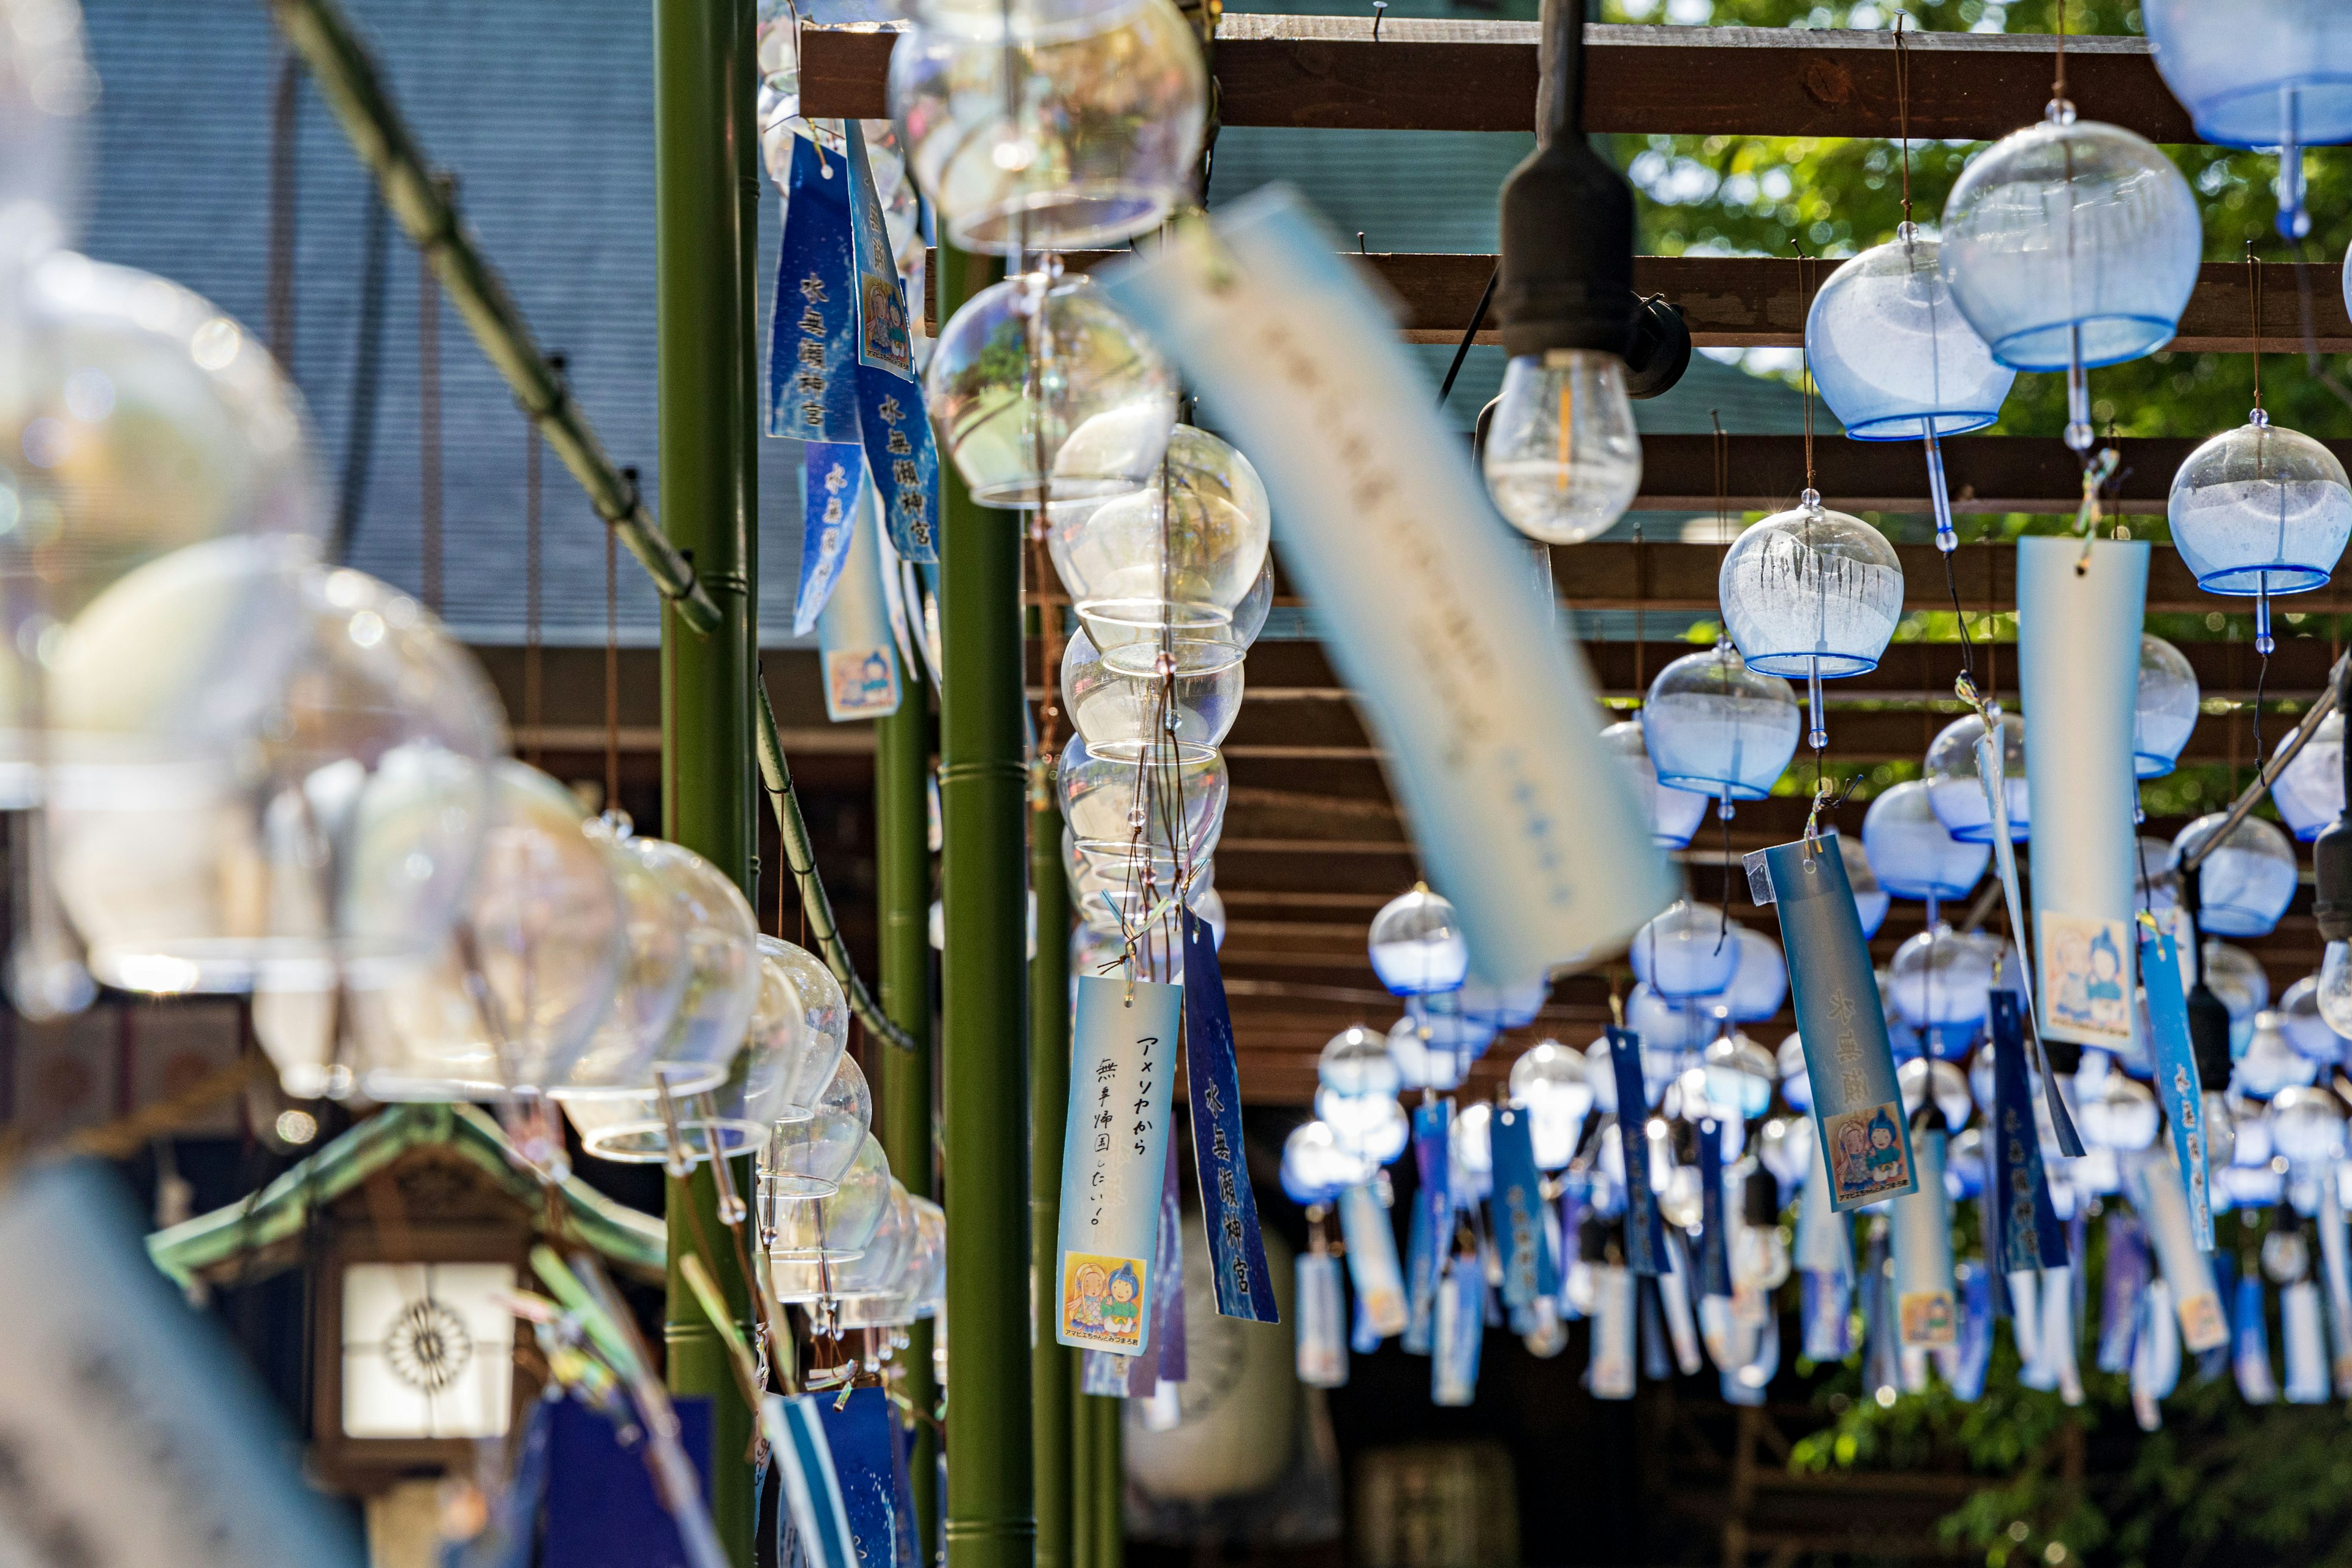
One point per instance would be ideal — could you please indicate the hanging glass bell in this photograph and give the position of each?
(1712, 726)
(1895, 361)
(1685, 950)
(2309, 791)
(1417, 945)
(805, 1158)
(1042, 391)
(1120, 807)
(1315, 1169)
(834, 1228)
(2270, 1064)
(824, 1011)
(1795, 1084)
(1674, 814)
(1942, 978)
(1759, 981)
(2165, 710)
(1957, 791)
(1177, 555)
(1552, 1082)
(865, 1282)
(1871, 901)
(1371, 1126)
(2254, 73)
(1355, 1061)
(1118, 713)
(1079, 137)
(2260, 511)
(2246, 882)
(1911, 851)
(1426, 1064)
(2238, 981)
(2306, 1027)
(1813, 594)
(1667, 1023)
(272, 774)
(2071, 245)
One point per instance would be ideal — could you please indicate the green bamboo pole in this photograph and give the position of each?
(1049, 1099)
(1110, 1484)
(1078, 1411)
(702, 68)
(991, 1520)
(902, 863)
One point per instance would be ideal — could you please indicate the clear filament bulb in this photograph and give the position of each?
(1562, 459)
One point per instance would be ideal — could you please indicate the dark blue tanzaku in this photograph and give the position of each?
(896, 430)
(1528, 1270)
(832, 474)
(1715, 1251)
(862, 1463)
(2030, 1234)
(1228, 1207)
(1866, 1139)
(1431, 1234)
(1645, 1236)
(812, 331)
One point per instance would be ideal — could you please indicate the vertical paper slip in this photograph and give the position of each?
(1528, 1268)
(2177, 1085)
(1645, 1245)
(797, 1440)
(2153, 1182)
(2078, 631)
(1609, 1373)
(1461, 1332)
(134, 1432)
(813, 328)
(1432, 1231)
(891, 418)
(1490, 724)
(2030, 1234)
(1213, 1079)
(1113, 1159)
(1163, 1360)
(833, 478)
(1925, 1311)
(1372, 1260)
(1321, 1356)
(1715, 1240)
(855, 646)
(1865, 1141)
(859, 1435)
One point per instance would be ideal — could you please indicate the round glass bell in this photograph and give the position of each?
(2071, 243)
(527, 977)
(1955, 790)
(1502, 1006)
(2309, 791)
(1871, 901)
(1553, 1083)
(2165, 710)
(1356, 1061)
(2246, 882)
(2308, 1126)
(873, 1275)
(1674, 814)
(805, 1158)
(1315, 1169)
(2256, 74)
(835, 1227)
(1562, 459)
(1760, 979)
(1942, 977)
(1912, 853)
(1784, 1146)
(1922, 1081)
(1890, 351)
(653, 970)
(1100, 802)
(1739, 1076)
(1373, 1126)
(1667, 1023)
(2238, 981)
(2305, 1027)
(1685, 951)
(2118, 1112)
(1812, 593)
(621, 1118)
(1417, 946)
(1042, 391)
(1084, 136)
(869, 1301)
(274, 775)
(1715, 726)
(1171, 559)
(1427, 1064)
(2261, 511)
(1108, 888)
(804, 1077)
(2270, 1064)
(1119, 714)
(1796, 1085)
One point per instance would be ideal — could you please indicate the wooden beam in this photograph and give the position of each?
(1330, 73)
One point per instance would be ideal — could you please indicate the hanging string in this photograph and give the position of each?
(2058, 82)
(428, 421)
(2254, 296)
(1805, 370)
(532, 672)
(1641, 599)
(1902, 109)
(2262, 644)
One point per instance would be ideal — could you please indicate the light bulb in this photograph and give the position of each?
(2336, 987)
(1562, 459)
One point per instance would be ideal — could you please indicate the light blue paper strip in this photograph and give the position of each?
(2177, 1088)
(1322, 1351)
(2079, 610)
(1114, 1158)
(1489, 723)
(2153, 1179)
(1460, 1330)
(1372, 1259)
(1865, 1142)
(796, 1437)
(2306, 1354)
(1610, 1374)
(2335, 1268)
(832, 476)
(1925, 1310)
(856, 649)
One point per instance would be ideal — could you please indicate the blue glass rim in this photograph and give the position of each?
(1798, 666)
(1917, 892)
(2272, 578)
(2319, 124)
(2152, 764)
(1907, 427)
(2234, 919)
(2306, 836)
(2157, 330)
(1982, 832)
(1715, 789)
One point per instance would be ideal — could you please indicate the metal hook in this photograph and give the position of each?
(1380, 15)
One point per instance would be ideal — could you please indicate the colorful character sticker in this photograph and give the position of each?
(2086, 980)
(1102, 1300)
(1866, 1153)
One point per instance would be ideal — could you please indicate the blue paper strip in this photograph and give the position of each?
(1321, 1354)
(858, 1437)
(856, 649)
(902, 1495)
(1461, 1332)
(2257, 1379)
(1715, 1250)
(1163, 1360)
(1866, 1139)
(1975, 1332)
(833, 478)
(1228, 1206)
(891, 418)
(2030, 1236)
(813, 329)
(1363, 1334)
(1432, 1220)
(1645, 1240)
(1372, 1259)
(813, 1503)
(1421, 1270)
(2121, 1283)
(2177, 1087)
(1528, 1268)
(1114, 1160)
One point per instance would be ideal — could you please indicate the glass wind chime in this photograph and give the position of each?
(2257, 74)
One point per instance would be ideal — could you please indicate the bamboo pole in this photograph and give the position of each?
(1051, 1373)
